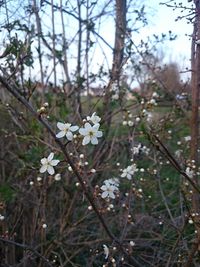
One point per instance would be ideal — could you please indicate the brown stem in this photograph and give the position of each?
(26, 247)
(14, 90)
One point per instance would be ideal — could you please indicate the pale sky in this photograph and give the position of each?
(164, 20)
(161, 20)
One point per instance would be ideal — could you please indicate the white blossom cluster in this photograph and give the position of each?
(90, 130)
(111, 186)
(148, 115)
(139, 148)
(115, 91)
(145, 150)
(129, 171)
(90, 133)
(152, 101)
(189, 172)
(187, 138)
(136, 149)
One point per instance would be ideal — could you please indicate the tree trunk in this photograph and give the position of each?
(120, 31)
(195, 62)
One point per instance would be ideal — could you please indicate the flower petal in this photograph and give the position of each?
(44, 161)
(94, 140)
(88, 118)
(69, 135)
(50, 157)
(86, 140)
(104, 187)
(73, 128)
(99, 134)
(54, 162)
(104, 194)
(111, 195)
(60, 134)
(61, 126)
(96, 127)
(83, 131)
(50, 170)
(43, 169)
(129, 177)
(106, 251)
(88, 126)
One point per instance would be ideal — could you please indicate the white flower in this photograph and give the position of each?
(109, 188)
(149, 116)
(106, 251)
(152, 101)
(178, 153)
(136, 149)
(145, 150)
(129, 171)
(48, 164)
(66, 130)
(90, 133)
(189, 172)
(115, 87)
(187, 138)
(94, 118)
(115, 96)
(155, 95)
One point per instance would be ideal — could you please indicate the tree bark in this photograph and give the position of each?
(120, 31)
(195, 66)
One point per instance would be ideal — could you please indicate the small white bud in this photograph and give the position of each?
(70, 168)
(2, 217)
(130, 123)
(57, 177)
(132, 243)
(137, 119)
